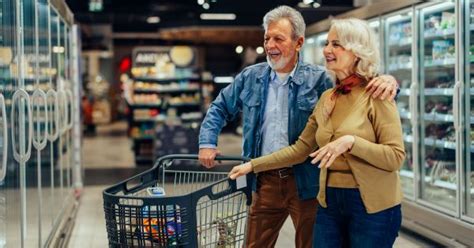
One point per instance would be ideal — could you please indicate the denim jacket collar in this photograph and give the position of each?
(296, 76)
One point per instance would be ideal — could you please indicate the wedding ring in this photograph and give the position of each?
(328, 154)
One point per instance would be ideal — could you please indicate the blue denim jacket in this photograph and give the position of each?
(247, 94)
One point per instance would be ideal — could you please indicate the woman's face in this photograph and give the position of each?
(338, 59)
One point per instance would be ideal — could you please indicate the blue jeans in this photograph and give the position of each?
(346, 223)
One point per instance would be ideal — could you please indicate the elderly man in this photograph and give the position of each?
(276, 98)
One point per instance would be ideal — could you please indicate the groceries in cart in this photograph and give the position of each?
(163, 227)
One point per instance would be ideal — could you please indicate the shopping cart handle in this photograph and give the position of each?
(171, 157)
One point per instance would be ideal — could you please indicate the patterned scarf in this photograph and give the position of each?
(342, 87)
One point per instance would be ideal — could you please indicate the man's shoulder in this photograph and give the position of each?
(312, 68)
(255, 68)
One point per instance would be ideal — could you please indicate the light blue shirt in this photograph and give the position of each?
(275, 117)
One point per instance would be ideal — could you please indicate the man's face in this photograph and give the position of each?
(281, 49)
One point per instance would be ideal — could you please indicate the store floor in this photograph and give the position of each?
(108, 159)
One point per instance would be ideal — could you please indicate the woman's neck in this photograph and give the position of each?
(341, 75)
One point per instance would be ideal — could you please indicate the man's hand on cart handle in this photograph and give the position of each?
(207, 156)
(240, 170)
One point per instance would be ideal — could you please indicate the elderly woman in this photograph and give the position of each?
(359, 147)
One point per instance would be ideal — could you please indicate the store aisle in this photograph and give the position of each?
(108, 159)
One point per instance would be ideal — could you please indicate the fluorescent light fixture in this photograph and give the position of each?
(374, 24)
(397, 18)
(308, 1)
(205, 5)
(259, 50)
(316, 5)
(218, 16)
(439, 7)
(153, 19)
(239, 49)
(223, 80)
(200, 2)
(58, 49)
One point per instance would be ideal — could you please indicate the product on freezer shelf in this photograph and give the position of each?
(442, 50)
(448, 20)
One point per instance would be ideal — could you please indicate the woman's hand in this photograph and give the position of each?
(328, 153)
(383, 86)
(240, 170)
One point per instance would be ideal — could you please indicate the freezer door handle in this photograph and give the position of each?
(457, 86)
(411, 103)
(39, 100)
(53, 133)
(69, 106)
(3, 172)
(63, 111)
(18, 96)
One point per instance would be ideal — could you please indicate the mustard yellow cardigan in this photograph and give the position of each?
(376, 155)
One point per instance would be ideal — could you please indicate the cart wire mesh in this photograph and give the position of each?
(198, 209)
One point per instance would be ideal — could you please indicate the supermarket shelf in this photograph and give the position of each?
(165, 91)
(433, 34)
(142, 138)
(404, 92)
(438, 183)
(438, 117)
(144, 105)
(165, 80)
(438, 91)
(184, 104)
(434, 142)
(398, 67)
(404, 43)
(404, 114)
(448, 63)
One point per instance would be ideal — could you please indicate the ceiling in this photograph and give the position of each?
(130, 16)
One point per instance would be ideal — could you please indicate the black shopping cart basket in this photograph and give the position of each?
(176, 206)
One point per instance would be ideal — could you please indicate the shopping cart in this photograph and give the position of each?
(169, 207)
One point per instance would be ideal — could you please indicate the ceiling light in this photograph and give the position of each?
(153, 19)
(218, 16)
(205, 6)
(239, 49)
(316, 5)
(200, 2)
(223, 80)
(259, 50)
(308, 1)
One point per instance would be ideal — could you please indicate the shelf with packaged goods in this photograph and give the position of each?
(435, 143)
(431, 116)
(166, 80)
(437, 182)
(166, 91)
(397, 67)
(183, 104)
(441, 63)
(145, 105)
(404, 43)
(439, 33)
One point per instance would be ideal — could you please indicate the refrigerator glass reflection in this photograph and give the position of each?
(399, 63)
(438, 137)
(469, 116)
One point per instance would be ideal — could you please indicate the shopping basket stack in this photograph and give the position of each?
(169, 207)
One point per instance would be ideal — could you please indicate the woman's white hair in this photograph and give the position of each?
(357, 36)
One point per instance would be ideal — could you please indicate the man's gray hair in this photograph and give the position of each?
(292, 15)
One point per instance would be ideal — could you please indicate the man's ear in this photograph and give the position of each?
(299, 43)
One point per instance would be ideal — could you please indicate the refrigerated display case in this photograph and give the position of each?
(33, 37)
(468, 86)
(399, 60)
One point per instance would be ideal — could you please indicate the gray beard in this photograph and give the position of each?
(280, 64)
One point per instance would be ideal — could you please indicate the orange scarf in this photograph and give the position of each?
(342, 87)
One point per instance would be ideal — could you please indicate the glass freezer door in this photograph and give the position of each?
(399, 63)
(469, 113)
(438, 136)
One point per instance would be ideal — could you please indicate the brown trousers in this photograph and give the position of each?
(275, 199)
